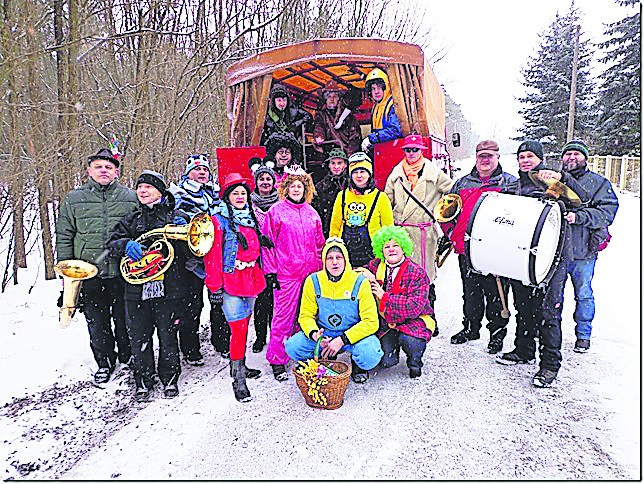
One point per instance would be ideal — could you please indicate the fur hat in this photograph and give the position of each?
(152, 178)
(533, 146)
(194, 161)
(279, 90)
(576, 145)
(279, 140)
(104, 154)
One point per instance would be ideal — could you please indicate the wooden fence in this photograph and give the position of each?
(622, 171)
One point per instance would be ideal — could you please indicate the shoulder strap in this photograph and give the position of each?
(356, 287)
(373, 207)
(316, 285)
(343, 218)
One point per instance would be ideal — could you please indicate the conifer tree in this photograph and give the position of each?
(548, 77)
(618, 124)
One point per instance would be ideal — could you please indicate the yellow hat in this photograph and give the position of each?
(360, 160)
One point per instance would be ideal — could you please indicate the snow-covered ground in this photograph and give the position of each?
(465, 418)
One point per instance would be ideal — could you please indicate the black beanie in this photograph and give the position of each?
(104, 154)
(152, 178)
(533, 146)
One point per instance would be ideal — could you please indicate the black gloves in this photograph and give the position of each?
(264, 241)
(216, 298)
(59, 303)
(444, 243)
(271, 281)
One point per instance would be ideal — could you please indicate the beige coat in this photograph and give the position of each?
(431, 186)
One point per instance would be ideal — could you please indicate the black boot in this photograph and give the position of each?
(238, 372)
(496, 341)
(358, 375)
(250, 372)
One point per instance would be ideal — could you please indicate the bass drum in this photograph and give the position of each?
(516, 237)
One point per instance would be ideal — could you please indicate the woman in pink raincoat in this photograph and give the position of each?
(295, 229)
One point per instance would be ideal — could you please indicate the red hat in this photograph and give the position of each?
(232, 180)
(414, 141)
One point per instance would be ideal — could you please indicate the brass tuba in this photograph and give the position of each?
(448, 207)
(199, 233)
(73, 272)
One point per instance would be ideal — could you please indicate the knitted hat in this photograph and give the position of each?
(488, 146)
(360, 160)
(104, 154)
(259, 167)
(576, 145)
(194, 161)
(533, 146)
(279, 91)
(336, 153)
(152, 178)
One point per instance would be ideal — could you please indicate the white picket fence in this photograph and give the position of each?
(622, 171)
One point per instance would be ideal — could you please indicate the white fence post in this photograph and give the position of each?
(608, 169)
(622, 172)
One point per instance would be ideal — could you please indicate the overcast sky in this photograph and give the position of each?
(489, 41)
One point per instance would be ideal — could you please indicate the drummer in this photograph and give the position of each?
(480, 293)
(539, 310)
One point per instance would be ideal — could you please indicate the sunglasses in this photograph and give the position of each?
(411, 150)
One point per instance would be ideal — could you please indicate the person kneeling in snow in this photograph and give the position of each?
(401, 288)
(337, 306)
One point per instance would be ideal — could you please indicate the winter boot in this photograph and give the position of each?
(544, 378)
(582, 346)
(238, 371)
(464, 336)
(496, 341)
(279, 372)
(358, 375)
(251, 373)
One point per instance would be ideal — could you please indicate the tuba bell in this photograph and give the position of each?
(73, 272)
(448, 207)
(199, 233)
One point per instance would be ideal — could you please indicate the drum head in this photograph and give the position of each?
(546, 241)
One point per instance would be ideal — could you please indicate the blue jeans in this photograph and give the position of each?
(366, 353)
(581, 273)
(413, 347)
(236, 307)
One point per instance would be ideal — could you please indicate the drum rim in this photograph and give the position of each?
(532, 259)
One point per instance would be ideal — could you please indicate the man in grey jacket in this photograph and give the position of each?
(588, 226)
(85, 220)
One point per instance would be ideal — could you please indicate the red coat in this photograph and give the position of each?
(247, 282)
(406, 305)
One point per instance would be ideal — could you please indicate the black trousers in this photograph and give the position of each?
(189, 330)
(102, 303)
(481, 297)
(219, 329)
(263, 313)
(528, 302)
(142, 318)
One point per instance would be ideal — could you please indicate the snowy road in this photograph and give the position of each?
(465, 418)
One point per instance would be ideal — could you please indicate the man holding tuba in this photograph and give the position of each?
(85, 219)
(481, 294)
(158, 284)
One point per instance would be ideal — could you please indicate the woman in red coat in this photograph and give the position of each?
(233, 273)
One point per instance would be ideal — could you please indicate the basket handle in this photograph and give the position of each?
(316, 351)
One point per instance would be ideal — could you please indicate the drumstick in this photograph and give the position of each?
(504, 312)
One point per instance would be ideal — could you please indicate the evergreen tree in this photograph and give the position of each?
(618, 123)
(547, 79)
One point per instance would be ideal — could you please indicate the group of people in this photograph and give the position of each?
(339, 262)
(334, 126)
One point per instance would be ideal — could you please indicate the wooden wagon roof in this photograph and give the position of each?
(307, 66)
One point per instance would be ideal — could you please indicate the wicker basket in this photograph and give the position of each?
(332, 391)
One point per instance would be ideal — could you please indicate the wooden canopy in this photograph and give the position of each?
(305, 67)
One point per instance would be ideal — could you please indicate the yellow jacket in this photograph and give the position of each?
(356, 211)
(340, 290)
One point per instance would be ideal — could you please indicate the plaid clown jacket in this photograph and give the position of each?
(405, 307)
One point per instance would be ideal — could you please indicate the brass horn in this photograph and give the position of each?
(73, 272)
(199, 233)
(448, 207)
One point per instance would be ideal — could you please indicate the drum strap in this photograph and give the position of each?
(423, 226)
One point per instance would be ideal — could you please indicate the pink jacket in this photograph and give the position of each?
(296, 231)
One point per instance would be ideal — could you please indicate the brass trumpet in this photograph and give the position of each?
(448, 207)
(73, 272)
(199, 233)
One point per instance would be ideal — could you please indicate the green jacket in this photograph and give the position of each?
(86, 218)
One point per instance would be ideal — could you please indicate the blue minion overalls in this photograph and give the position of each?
(336, 316)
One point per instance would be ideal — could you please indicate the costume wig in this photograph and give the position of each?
(307, 181)
(395, 233)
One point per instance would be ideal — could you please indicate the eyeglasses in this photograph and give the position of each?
(411, 150)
